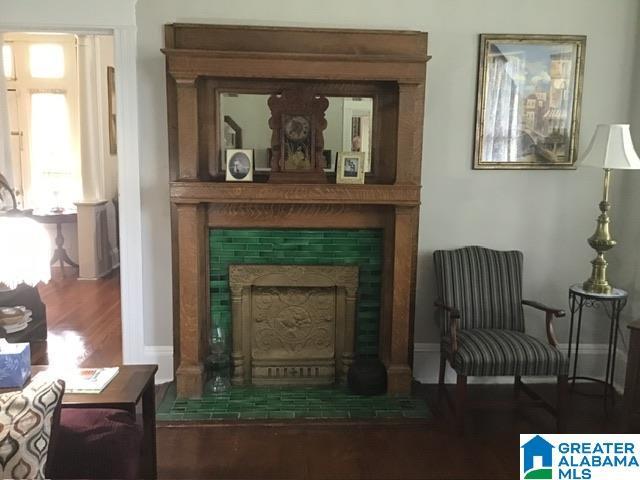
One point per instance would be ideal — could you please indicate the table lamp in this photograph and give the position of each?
(25, 248)
(610, 148)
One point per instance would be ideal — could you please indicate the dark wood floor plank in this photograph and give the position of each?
(83, 321)
(425, 450)
(89, 312)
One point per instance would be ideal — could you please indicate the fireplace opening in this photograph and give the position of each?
(292, 324)
(293, 329)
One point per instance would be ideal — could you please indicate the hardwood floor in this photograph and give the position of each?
(84, 327)
(83, 321)
(489, 449)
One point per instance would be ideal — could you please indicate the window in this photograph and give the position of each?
(45, 114)
(46, 60)
(52, 165)
(7, 62)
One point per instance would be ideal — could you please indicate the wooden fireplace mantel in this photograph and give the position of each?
(204, 60)
(211, 192)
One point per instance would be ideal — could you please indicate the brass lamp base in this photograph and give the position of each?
(601, 241)
(598, 283)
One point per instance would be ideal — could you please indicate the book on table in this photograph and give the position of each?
(89, 380)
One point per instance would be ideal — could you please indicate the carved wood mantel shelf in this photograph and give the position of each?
(189, 192)
(205, 60)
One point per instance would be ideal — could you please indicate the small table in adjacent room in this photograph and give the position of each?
(613, 303)
(132, 384)
(58, 218)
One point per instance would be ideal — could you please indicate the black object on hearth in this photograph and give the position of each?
(367, 376)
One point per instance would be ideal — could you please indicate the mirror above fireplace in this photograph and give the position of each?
(349, 128)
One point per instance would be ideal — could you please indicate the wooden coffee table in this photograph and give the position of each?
(132, 384)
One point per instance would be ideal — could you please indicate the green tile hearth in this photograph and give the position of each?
(361, 247)
(288, 403)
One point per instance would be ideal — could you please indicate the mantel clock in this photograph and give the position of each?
(297, 122)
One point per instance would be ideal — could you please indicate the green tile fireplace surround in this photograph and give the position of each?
(361, 247)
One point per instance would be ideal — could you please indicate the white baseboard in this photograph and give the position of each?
(162, 355)
(592, 362)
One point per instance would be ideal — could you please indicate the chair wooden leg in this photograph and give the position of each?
(517, 384)
(443, 366)
(561, 408)
(461, 397)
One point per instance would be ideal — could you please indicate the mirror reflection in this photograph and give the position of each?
(244, 121)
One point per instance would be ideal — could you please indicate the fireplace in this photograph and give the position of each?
(203, 62)
(292, 324)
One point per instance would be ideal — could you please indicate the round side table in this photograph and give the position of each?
(613, 303)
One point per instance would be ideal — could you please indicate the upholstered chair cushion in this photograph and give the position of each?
(495, 352)
(484, 285)
(97, 443)
(26, 423)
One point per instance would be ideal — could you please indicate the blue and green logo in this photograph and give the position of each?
(537, 448)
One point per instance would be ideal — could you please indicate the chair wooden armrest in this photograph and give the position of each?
(454, 316)
(539, 306)
(551, 313)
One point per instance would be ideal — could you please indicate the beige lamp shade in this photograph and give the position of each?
(25, 250)
(611, 148)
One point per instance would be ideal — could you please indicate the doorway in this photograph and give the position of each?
(60, 94)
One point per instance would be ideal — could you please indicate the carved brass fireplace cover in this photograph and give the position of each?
(292, 325)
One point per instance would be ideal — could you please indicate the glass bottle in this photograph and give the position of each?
(218, 363)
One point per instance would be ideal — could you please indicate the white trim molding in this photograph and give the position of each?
(161, 355)
(132, 292)
(592, 362)
(120, 22)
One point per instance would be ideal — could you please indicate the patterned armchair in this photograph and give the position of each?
(482, 328)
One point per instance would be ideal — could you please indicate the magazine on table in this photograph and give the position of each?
(89, 380)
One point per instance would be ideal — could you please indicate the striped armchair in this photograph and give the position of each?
(482, 323)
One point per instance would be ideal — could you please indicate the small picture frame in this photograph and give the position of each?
(350, 167)
(329, 161)
(239, 165)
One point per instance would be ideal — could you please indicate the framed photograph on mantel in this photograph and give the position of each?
(350, 167)
(528, 105)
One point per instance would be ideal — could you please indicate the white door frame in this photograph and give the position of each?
(131, 286)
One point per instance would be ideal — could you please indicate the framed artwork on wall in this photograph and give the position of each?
(111, 106)
(350, 167)
(528, 103)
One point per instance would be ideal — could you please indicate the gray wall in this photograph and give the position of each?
(624, 260)
(547, 214)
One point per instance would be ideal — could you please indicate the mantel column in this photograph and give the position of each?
(409, 134)
(398, 368)
(187, 106)
(193, 257)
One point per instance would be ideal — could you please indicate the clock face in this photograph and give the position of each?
(296, 128)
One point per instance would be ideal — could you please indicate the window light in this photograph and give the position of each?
(7, 62)
(52, 164)
(46, 60)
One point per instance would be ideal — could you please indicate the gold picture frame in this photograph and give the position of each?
(528, 101)
(111, 105)
(350, 167)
